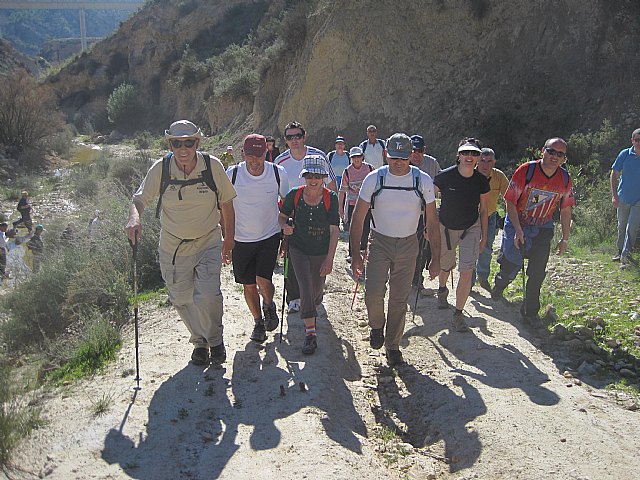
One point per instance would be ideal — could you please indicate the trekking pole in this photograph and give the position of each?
(285, 274)
(134, 245)
(419, 287)
(524, 285)
(355, 291)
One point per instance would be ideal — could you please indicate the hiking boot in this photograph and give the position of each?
(443, 292)
(218, 354)
(294, 306)
(534, 321)
(484, 283)
(616, 257)
(271, 320)
(394, 357)
(310, 344)
(259, 334)
(200, 356)
(376, 338)
(496, 293)
(458, 324)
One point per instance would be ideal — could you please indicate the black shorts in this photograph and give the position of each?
(255, 259)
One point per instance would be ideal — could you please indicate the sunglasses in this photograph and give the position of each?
(470, 153)
(314, 176)
(295, 136)
(555, 153)
(398, 158)
(179, 143)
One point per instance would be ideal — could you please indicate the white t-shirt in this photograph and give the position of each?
(256, 205)
(373, 153)
(397, 212)
(294, 167)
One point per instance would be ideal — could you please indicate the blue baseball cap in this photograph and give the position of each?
(417, 142)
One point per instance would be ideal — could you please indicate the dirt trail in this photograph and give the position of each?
(486, 404)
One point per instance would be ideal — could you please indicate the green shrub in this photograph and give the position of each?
(144, 140)
(86, 188)
(88, 352)
(124, 108)
(594, 215)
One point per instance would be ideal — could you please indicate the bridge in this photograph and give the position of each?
(80, 5)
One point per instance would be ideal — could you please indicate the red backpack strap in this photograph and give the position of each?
(297, 196)
(326, 198)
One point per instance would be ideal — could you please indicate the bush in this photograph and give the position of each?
(129, 172)
(87, 353)
(16, 419)
(28, 112)
(86, 188)
(124, 108)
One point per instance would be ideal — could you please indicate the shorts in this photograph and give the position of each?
(469, 248)
(255, 259)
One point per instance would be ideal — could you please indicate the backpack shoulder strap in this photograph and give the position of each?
(417, 184)
(331, 154)
(381, 142)
(277, 175)
(207, 175)
(164, 180)
(531, 169)
(382, 173)
(565, 176)
(326, 198)
(363, 145)
(234, 174)
(296, 198)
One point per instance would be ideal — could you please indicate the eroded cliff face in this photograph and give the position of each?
(512, 73)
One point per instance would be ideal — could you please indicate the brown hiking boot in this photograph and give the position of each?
(458, 324)
(443, 292)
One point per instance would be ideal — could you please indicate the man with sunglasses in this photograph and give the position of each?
(401, 194)
(463, 224)
(190, 248)
(292, 161)
(625, 195)
(535, 192)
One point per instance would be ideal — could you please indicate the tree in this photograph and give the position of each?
(28, 112)
(124, 108)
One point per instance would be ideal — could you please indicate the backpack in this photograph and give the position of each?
(364, 144)
(326, 198)
(234, 174)
(332, 153)
(166, 180)
(346, 172)
(531, 169)
(382, 174)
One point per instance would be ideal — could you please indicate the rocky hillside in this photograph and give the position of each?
(512, 73)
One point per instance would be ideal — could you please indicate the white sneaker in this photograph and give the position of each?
(294, 306)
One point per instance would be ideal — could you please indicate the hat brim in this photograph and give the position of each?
(467, 148)
(197, 135)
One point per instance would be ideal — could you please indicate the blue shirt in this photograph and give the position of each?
(628, 164)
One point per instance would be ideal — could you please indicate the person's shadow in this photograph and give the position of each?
(432, 413)
(195, 416)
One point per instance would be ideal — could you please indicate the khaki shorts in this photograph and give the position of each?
(469, 247)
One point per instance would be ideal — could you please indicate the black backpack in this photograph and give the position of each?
(166, 180)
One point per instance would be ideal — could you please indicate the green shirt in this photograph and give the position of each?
(311, 223)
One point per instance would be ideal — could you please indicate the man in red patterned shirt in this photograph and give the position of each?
(536, 190)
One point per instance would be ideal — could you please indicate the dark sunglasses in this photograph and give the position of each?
(314, 176)
(470, 153)
(555, 153)
(179, 143)
(295, 136)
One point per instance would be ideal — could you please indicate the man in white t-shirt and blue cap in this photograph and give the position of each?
(397, 195)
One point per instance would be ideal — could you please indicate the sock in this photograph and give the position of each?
(310, 330)
(442, 289)
(458, 312)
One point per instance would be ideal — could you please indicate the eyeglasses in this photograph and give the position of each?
(314, 176)
(295, 136)
(555, 153)
(179, 143)
(470, 153)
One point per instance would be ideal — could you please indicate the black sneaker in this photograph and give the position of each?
(218, 354)
(271, 320)
(259, 334)
(310, 344)
(443, 292)
(496, 293)
(484, 283)
(376, 338)
(394, 357)
(200, 356)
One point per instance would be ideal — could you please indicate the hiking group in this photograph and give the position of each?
(384, 192)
